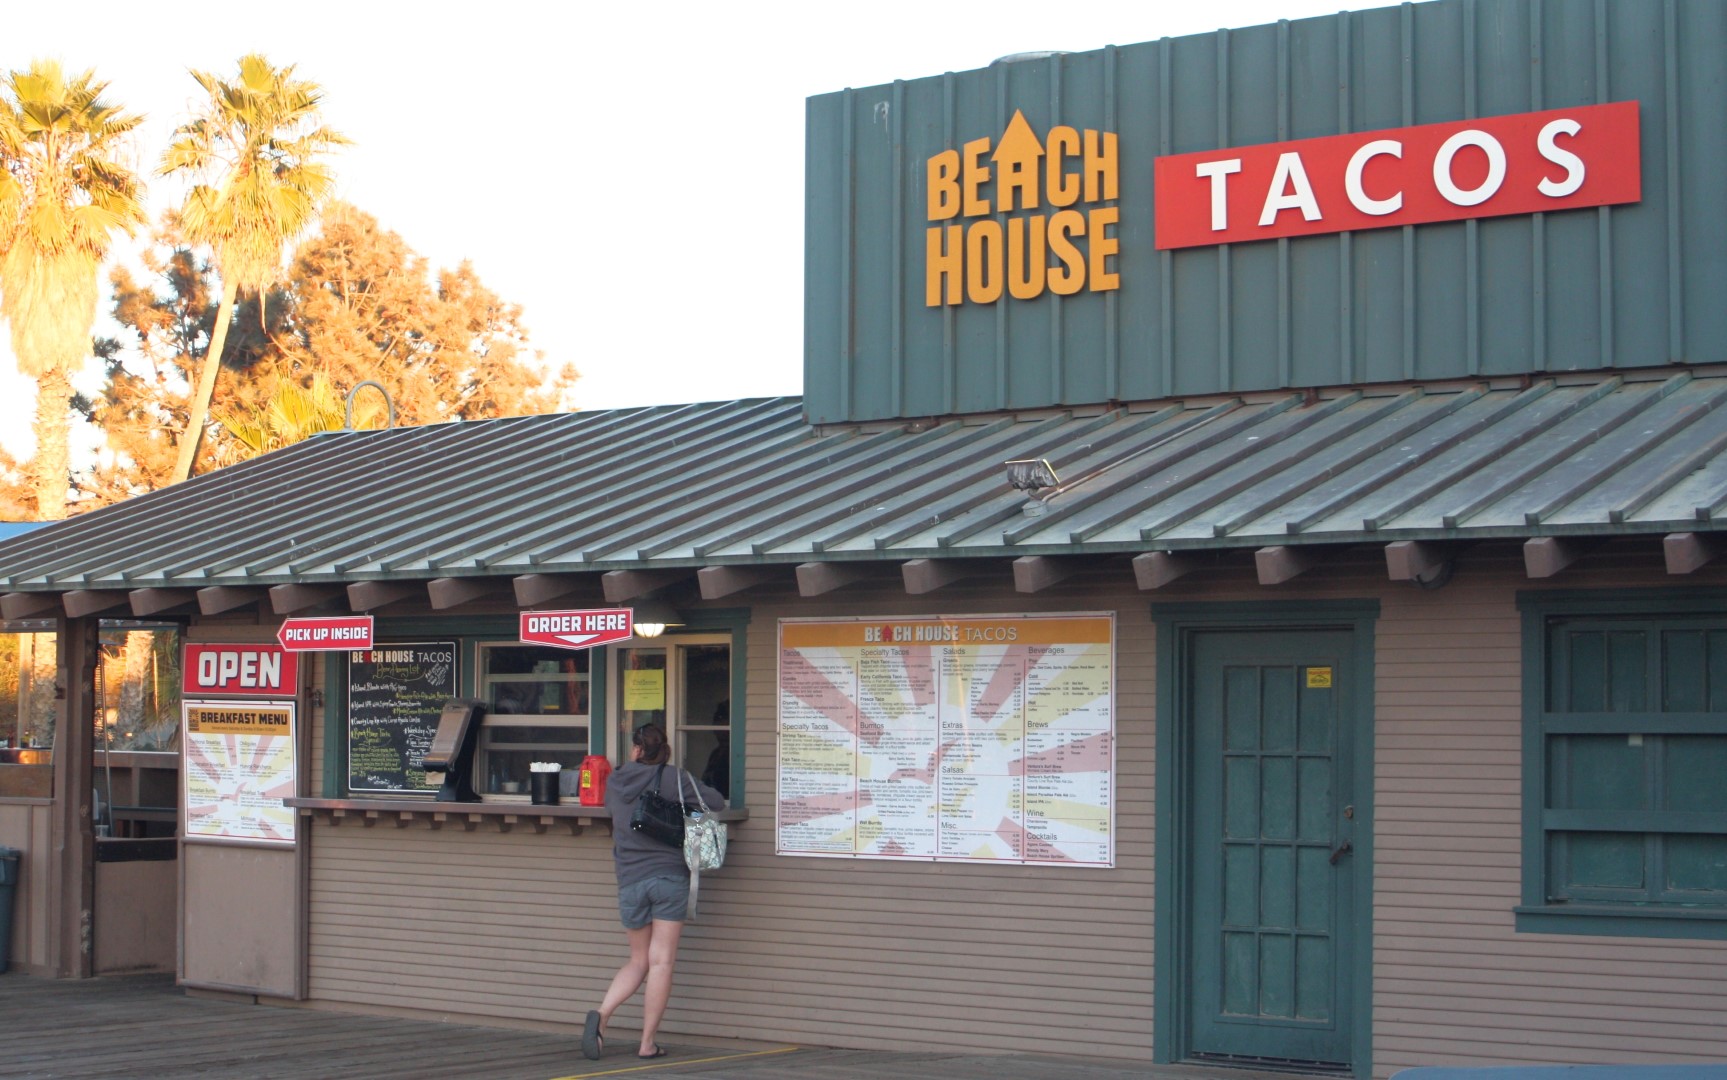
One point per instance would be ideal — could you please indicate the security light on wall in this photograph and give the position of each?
(653, 616)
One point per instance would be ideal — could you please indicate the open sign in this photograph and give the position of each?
(251, 671)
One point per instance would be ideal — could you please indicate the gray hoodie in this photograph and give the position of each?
(639, 858)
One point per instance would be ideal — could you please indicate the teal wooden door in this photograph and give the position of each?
(1272, 859)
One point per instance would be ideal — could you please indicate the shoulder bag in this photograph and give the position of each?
(704, 840)
(657, 817)
(704, 837)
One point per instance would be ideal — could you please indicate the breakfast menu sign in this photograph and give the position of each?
(966, 738)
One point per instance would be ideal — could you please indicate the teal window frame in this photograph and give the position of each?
(470, 633)
(1605, 911)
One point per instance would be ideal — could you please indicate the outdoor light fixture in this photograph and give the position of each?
(653, 616)
(1031, 474)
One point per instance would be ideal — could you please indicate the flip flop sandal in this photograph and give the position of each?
(659, 1052)
(592, 1043)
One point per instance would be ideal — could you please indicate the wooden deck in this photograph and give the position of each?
(145, 1027)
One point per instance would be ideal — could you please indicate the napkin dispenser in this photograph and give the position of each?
(450, 760)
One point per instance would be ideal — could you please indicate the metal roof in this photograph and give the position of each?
(748, 482)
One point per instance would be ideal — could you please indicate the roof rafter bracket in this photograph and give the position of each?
(816, 578)
(1545, 556)
(1283, 562)
(292, 599)
(1424, 562)
(1688, 551)
(367, 595)
(449, 592)
(1155, 569)
(153, 601)
(622, 586)
(534, 590)
(720, 581)
(1035, 573)
(24, 605)
(217, 599)
(927, 575)
(82, 602)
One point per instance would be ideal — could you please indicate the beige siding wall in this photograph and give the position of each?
(27, 825)
(521, 928)
(1453, 982)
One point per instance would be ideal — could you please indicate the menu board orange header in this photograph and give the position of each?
(1002, 630)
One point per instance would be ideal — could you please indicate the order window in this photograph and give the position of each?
(537, 704)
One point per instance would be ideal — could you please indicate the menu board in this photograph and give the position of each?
(970, 739)
(396, 693)
(239, 768)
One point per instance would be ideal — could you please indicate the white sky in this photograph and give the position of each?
(630, 173)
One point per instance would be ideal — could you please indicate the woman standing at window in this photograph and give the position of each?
(653, 891)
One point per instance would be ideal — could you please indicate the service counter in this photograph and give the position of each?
(497, 816)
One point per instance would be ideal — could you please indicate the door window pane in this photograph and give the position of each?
(705, 730)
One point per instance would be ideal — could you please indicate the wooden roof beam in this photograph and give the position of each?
(816, 578)
(220, 598)
(1155, 569)
(82, 602)
(622, 586)
(1420, 561)
(1545, 556)
(1282, 563)
(26, 605)
(927, 575)
(293, 599)
(154, 601)
(1689, 552)
(534, 590)
(1035, 573)
(719, 581)
(370, 595)
(449, 592)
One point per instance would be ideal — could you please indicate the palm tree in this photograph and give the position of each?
(292, 414)
(63, 196)
(255, 150)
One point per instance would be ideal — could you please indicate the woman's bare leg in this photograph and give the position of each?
(662, 957)
(630, 976)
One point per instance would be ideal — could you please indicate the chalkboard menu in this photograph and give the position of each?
(395, 694)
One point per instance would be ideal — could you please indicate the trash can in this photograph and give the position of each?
(9, 860)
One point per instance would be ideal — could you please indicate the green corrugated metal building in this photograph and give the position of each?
(1240, 587)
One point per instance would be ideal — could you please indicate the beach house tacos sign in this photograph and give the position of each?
(1023, 214)
(1031, 213)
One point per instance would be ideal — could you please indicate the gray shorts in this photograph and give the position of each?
(663, 898)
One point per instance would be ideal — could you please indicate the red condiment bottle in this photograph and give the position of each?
(591, 786)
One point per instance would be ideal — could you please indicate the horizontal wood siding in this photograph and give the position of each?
(521, 928)
(1453, 983)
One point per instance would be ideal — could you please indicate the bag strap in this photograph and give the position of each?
(695, 787)
(657, 786)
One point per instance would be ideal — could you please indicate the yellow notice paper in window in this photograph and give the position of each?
(644, 691)
(1318, 678)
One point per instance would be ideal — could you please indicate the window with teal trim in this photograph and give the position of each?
(1629, 743)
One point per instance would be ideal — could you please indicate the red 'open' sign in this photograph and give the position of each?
(1559, 159)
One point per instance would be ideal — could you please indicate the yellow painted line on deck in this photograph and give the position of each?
(670, 1063)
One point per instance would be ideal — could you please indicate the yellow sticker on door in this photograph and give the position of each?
(1319, 678)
